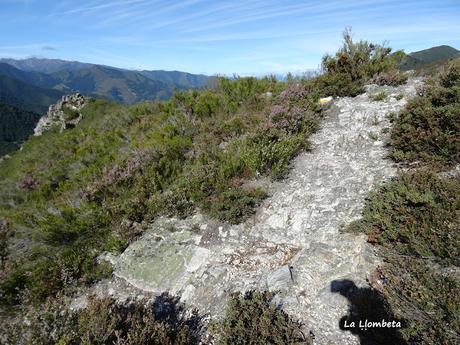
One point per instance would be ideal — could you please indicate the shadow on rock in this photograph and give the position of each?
(168, 309)
(369, 315)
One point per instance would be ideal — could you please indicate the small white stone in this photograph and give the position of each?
(188, 293)
(200, 257)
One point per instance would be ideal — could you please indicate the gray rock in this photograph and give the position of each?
(56, 115)
(280, 279)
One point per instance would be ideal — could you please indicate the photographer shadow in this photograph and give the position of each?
(367, 305)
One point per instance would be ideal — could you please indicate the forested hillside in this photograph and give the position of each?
(15, 126)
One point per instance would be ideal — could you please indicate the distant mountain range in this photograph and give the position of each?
(120, 85)
(29, 86)
(25, 90)
(46, 65)
(432, 55)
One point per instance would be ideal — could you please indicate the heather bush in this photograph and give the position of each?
(427, 130)
(50, 274)
(246, 92)
(451, 77)
(392, 78)
(270, 151)
(286, 118)
(414, 221)
(235, 204)
(121, 172)
(163, 321)
(233, 127)
(425, 226)
(28, 182)
(172, 202)
(298, 94)
(252, 318)
(378, 97)
(296, 109)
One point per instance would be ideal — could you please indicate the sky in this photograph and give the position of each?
(218, 37)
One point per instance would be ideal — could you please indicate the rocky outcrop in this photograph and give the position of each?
(66, 113)
(293, 244)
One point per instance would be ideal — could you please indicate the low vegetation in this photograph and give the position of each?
(428, 130)
(414, 219)
(414, 222)
(378, 97)
(252, 318)
(355, 64)
(163, 321)
(69, 113)
(66, 197)
(392, 77)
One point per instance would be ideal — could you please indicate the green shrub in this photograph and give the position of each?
(425, 296)
(414, 221)
(269, 151)
(233, 127)
(207, 104)
(373, 136)
(451, 77)
(356, 63)
(392, 78)
(338, 84)
(246, 92)
(415, 215)
(69, 113)
(234, 205)
(378, 97)
(252, 319)
(428, 129)
(13, 281)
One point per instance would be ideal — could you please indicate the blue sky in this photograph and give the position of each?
(225, 37)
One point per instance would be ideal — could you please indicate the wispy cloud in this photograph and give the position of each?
(264, 11)
(100, 6)
(218, 36)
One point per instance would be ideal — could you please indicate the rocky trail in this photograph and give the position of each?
(293, 243)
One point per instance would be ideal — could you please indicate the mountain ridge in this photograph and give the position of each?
(116, 84)
(428, 56)
(26, 96)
